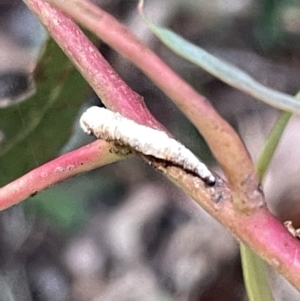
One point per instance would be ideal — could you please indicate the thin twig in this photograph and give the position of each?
(66, 166)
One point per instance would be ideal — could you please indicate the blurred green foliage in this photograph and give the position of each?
(36, 129)
(67, 206)
(269, 30)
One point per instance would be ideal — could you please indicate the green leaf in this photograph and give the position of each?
(36, 129)
(226, 72)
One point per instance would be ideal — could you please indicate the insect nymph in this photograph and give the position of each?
(105, 124)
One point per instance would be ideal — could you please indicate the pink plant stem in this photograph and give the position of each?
(261, 231)
(222, 139)
(83, 159)
(108, 85)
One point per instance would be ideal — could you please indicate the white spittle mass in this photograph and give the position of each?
(105, 124)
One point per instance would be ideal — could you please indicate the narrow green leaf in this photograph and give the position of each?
(272, 142)
(226, 72)
(255, 276)
(35, 130)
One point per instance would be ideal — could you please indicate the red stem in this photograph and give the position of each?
(261, 231)
(108, 85)
(66, 166)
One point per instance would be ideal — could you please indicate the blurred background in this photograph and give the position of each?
(123, 232)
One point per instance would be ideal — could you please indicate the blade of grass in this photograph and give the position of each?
(272, 142)
(255, 275)
(224, 71)
(254, 268)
